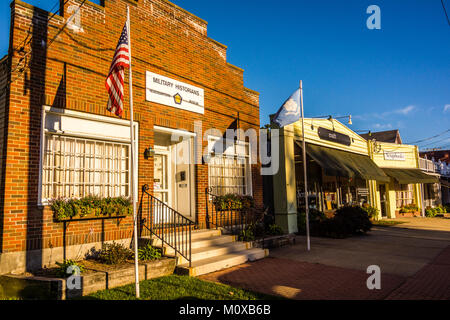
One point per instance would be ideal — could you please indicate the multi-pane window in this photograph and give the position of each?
(230, 172)
(405, 195)
(77, 167)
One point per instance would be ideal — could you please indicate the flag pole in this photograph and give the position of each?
(133, 167)
(308, 242)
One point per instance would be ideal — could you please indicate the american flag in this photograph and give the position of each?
(114, 82)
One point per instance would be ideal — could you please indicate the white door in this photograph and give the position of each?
(161, 184)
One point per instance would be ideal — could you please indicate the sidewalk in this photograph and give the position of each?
(304, 281)
(308, 281)
(431, 283)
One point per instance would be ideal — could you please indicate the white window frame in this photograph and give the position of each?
(122, 136)
(247, 166)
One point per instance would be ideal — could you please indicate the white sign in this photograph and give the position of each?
(174, 93)
(396, 156)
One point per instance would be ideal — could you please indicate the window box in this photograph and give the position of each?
(90, 208)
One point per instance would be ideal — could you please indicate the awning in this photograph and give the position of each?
(345, 164)
(407, 176)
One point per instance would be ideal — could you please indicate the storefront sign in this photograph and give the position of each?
(395, 156)
(334, 136)
(173, 93)
(362, 191)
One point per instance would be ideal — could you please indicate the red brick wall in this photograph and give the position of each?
(166, 40)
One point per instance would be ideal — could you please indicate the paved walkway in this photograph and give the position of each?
(414, 261)
(303, 281)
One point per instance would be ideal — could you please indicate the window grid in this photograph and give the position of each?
(228, 171)
(405, 196)
(76, 167)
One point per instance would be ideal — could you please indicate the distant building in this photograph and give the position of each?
(391, 136)
(438, 155)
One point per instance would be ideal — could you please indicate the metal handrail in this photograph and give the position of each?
(232, 218)
(167, 224)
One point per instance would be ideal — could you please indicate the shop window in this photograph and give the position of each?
(405, 195)
(83, 155)
(76, 167)
(229, 171)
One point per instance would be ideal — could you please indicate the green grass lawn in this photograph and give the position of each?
(176, 287)
(387, 223)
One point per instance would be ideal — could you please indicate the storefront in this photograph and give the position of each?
(61, 142)
(339, 170)
(403, 195)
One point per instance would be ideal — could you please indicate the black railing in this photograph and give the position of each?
(230, 217)
(168, 225)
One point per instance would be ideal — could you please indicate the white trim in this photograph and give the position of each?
(176, 131)
(46, 110)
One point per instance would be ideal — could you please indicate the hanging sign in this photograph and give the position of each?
(173, 93)
(334, 136)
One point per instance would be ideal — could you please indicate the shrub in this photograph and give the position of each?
(74, 208)
(447, 207)
(149, 253)
(372, 212)
(247, 234)
(63, 268)
(114, 253)
(275, 230)
(347, 221)
(352, 220)
(409, 208)
(316, 217)
(233, 201)
(430, 212)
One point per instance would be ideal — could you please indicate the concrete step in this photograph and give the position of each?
(206, 242)
(195, 235)
(217, 263)
(214, 251)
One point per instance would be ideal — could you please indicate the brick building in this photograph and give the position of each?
(58, 140)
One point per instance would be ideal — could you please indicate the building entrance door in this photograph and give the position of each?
(161, 182)
(383, 200)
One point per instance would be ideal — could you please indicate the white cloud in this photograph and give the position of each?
(447, 108)
(405, 110)
(384, 126)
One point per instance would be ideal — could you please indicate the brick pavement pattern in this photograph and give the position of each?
(304, 281)
(432, 282)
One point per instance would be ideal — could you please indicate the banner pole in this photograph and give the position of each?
(133, 167)
(308, 242)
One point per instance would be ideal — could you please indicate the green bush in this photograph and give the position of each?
(149, 253)
(352, 220)
(233, 201)
(430, 212)
(63, 266)
(316, 217)
(247, 234)
(347, 221)
(409, 208)
(447, 207)
(372, 212)
(275, 230)
(114, 253)
(79, 208)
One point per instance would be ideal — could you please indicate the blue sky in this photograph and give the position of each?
(394, 78)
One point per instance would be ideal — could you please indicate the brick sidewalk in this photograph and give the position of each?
(303, 280)
(432, 282)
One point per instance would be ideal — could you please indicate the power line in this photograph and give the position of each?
(445, 139)
(22, 69)
(445, 11)
(430, 138)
